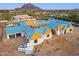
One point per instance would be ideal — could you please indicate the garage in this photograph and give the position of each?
(18, 35)
(12, 36)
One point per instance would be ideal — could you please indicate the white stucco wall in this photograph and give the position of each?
(50, 36)
(22, 34)
(58, 32)
(14, 34)
(31, 42)
(68, 31)
(62, 32)
(8, 37)
(39, 40)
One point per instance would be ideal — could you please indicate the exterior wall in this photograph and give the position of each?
(50, 36)
(31, 42)
(62, 31)
(58, 32)
(68, 30)
(22, 34)
(48, 32)
(9, 25)
(24, 17)
(14, 34)
(8, 37)
(36, 36)
(41, 39)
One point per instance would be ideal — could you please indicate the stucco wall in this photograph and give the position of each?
(44, 37)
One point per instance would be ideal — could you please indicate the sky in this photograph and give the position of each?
(48, 6)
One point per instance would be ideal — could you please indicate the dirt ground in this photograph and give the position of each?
(9, 47)
(1, 33)
(63, 45)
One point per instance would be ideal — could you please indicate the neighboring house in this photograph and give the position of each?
(3, 20)
(24, 17)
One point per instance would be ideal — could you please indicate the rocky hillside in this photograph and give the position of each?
(30, 6)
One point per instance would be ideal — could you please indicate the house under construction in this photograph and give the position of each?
(35, 31)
